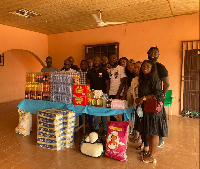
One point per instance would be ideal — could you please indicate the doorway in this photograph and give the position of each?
(190, 84)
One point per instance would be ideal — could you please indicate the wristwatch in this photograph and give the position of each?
(144, 98)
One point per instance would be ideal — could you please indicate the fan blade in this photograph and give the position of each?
(96, 17)
(114, 23)
(100, 24)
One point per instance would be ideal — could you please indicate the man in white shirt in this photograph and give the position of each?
(117, 77)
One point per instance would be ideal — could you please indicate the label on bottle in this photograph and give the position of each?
(94, 102)
(89, 102)
(99, 102)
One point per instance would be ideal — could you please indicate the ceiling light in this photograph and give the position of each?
(25, 13)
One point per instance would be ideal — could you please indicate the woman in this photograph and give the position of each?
(134, 94)
(123, 61)
(153, 123)
(130, 75)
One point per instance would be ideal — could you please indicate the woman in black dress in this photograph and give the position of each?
(153, 124)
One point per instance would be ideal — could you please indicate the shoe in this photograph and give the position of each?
(104, 133)
(161, 143)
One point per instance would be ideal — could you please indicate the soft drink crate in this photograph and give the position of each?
(80, 99)
(80, 90)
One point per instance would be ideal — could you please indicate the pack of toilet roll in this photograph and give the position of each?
(55, 129)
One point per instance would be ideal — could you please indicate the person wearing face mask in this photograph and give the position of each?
(153, 55)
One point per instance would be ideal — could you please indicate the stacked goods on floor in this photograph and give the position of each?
(37, 86)
(25, 123)
(80, 94)
(62, 85)
(55, 129)
(191, 114)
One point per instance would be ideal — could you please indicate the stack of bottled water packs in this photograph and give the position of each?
(62, 86)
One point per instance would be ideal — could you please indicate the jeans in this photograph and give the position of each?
(96, 122)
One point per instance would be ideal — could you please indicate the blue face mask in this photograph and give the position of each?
(139, 111)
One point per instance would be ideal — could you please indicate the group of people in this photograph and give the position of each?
(134, 81)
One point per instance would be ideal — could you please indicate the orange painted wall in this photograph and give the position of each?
(17, 62)
(12, 75)
(135, 39)
(15, 38)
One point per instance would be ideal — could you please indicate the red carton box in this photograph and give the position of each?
(80, 100)
(79, 90)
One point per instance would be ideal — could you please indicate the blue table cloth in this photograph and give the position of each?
(33, 106)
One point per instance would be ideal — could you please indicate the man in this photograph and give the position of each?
(74, 67)
(117, 77)
(98, 78)
(83, 72)
(83, 81)
(104, 62)
(67, 66)
(49, 67)
(90, 64)
(153, 55)
(71, 59)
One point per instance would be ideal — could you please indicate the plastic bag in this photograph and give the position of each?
(139, 111)
(25, 123)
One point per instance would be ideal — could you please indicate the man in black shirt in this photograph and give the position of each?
(71, 59)
(153, 55)
(98, 78)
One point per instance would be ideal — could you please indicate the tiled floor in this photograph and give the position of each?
(180, 151)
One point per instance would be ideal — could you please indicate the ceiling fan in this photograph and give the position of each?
(100, 22)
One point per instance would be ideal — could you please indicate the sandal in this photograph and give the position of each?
(140, 147)
(149, 161)
(136, 140)
(144, 152)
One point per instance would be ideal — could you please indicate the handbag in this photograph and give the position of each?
(153, 106)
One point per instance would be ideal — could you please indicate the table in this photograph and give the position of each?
(33, 106)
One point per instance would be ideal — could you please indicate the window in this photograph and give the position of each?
(101, 50)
